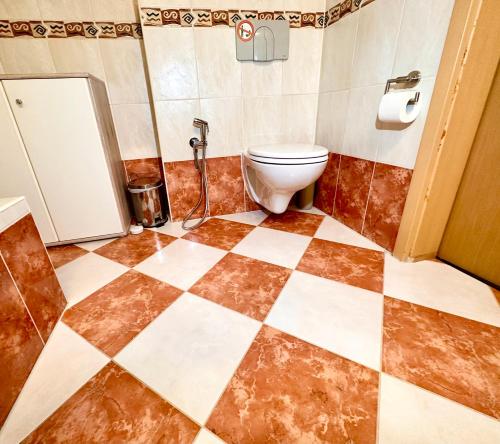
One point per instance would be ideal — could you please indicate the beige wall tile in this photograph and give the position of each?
(376, 42)
(125, 70)
(262, 79)
(115, 10)
(26, 55)
(219, 73)
(171, 62)
(422, 35)
(305, 5)
(76, 10)
(19, 10)
(331, 120)
(301, 71)
(77, 54)
(225, 120)
(299, 118)
(134, 128)
(174, 120)
(338, 52)
(262, 118)
(362, 138)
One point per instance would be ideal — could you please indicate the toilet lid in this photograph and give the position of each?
(288, 151)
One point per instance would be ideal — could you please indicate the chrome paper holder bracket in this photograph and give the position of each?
(413, 78)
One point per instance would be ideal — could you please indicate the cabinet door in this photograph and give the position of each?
(16, 175)
(57, 123)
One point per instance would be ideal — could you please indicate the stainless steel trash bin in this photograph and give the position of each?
(145, 193)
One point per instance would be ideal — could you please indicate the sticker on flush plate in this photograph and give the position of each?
(245, 30)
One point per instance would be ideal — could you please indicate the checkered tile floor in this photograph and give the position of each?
(256, 329)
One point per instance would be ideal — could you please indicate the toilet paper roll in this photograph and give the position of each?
(396, 107)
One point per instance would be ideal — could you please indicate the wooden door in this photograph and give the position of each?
(472, 237)
(58, 124)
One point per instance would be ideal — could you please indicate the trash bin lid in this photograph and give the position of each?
(144, 183)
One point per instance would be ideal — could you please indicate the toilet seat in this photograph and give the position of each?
(288, 154)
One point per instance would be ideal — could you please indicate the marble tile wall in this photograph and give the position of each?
(31, 303)
(245, 103)
(371, 164)
(118, 61)
(366, 196)
(383, 39)
(226, 187)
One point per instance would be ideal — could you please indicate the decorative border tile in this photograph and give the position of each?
(175, 17)
(308, 19)
(56, 29)
(294, 17)
(202, 17)
(170, 17)
(90, 30)
(38, 29)
(267, 15)
(6, 29)
(21, 28)
(61, 29)
(220, 18)
(74, 29)
(107, 30)
(234, 17)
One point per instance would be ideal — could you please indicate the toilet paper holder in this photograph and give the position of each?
(412, 79)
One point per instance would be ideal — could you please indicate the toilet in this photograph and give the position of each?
(274, 173)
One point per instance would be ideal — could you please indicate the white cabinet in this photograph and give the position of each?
(58, 148)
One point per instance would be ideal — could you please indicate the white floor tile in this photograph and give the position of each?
(181, 263)
(189, 353)
(343, 319)
(312, 210)
(250, 217)
(94, 245)
(171, 228)
(206, 437)
(66, 363)
(274, 246)
(411, 415)
(86, 274)
(332, 230)
(439, 286)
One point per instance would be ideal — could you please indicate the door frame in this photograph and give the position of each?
(468, 64)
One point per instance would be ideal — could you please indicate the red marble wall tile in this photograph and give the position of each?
(225, 182)
(387, 199)
(29, 264)
(148, 167)
(20, 343)
(325, 186)
(226, 191)
(250, 204)
(352, 191)
(183, 183)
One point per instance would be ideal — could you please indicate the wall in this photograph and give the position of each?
(245, 103)
(31, 302)
(110, 52)
(370, 167)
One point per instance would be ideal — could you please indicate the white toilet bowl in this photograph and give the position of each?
(274, 173)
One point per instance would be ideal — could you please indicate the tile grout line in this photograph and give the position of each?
(368, 197)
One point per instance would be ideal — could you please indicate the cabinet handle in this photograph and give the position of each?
(19, 101)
